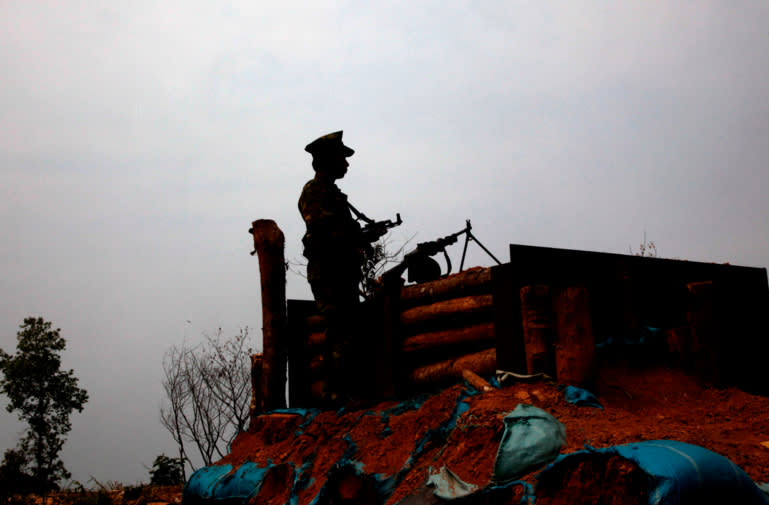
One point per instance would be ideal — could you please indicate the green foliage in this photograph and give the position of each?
(15, 479)
(43, 396)
(166, 471)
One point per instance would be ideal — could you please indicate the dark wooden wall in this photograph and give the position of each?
(630, 293)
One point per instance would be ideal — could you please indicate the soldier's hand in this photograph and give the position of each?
(372, 234)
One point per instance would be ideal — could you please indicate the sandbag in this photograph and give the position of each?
(532, 438)
(224, 483)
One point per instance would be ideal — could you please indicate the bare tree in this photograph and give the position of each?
(208, 392)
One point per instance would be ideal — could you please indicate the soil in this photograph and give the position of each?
(577, 484)
(402, 446)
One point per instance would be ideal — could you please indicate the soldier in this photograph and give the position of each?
(334, 246)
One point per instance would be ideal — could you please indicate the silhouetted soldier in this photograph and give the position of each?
(334, 246)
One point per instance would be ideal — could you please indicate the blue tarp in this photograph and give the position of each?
(225, 484)
(683, 474)
(581, 397)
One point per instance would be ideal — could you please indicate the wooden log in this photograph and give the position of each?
(476, 381)
(575, 357)
(317, 339)
(316, 322)
(317, 365)
(482, 363)
(476, 333)
(538, 329)
(455, 308)
(472, 281)
(319, 390)
(269, 244)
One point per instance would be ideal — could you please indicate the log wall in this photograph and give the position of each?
(446, 327)
(545, 311)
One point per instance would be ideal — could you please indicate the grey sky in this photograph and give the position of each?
(138, 140)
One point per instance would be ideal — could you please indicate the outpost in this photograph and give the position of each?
(545, 311)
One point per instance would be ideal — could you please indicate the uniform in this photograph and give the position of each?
(333, 246)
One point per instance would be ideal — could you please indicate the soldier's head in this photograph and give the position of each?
(329, 155)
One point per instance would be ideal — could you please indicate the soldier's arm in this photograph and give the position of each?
(326, 214)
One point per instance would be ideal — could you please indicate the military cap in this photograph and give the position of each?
(328, 144)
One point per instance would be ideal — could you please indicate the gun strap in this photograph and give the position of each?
(360, 215)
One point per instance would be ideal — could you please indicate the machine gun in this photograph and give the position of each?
(420, 264)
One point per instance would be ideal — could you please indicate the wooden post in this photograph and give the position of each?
(538, 330)
(388, 308)
(298, 352)
(626, 300)
(679, 340)
(575, 359)
(505, 291)
(269, 244)
(703, 318)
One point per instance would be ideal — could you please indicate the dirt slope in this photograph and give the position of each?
(396, 445)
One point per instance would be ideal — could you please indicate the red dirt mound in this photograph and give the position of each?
(400, 446)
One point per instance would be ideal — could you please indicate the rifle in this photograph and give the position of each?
(423, 268)
(375, 229)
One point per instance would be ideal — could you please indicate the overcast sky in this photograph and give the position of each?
(138, 140)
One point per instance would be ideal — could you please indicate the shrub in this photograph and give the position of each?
(166, 471)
